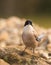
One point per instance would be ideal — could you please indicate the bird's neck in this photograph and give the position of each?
(28, 28)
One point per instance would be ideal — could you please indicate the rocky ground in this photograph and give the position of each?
(11, 44)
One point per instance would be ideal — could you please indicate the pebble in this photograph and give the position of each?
(2, 62)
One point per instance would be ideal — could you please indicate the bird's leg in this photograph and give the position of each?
(33, 50)
(22, 53)
(33, 55)
(25, 48)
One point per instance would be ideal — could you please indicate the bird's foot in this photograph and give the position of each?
(32, 57)
(22, 53)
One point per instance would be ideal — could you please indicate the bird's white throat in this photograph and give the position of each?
(28, 28)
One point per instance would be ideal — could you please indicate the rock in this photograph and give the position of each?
(4, 35)
(42, 62)
(43, 54)
(2, 44)
(2, 24)
(49, 34)
(49, 47)
(2, 62)
(15, 22)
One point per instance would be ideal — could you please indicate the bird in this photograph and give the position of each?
(29, 36)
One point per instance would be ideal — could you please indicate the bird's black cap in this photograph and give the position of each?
(28, 22)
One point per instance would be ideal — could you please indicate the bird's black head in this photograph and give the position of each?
(28, 22)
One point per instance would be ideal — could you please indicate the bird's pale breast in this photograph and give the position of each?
(28, 37)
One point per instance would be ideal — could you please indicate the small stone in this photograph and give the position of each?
(3, 44)
(2, 62)
(4, 35)
(49, 47)
(2, 24)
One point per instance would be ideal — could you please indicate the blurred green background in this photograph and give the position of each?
(38, 11)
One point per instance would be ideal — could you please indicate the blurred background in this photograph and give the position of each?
(38, 11)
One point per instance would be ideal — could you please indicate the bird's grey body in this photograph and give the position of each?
(28, 37)
(31, 39)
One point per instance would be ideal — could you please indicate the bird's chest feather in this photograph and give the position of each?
(28, 39)
(28, 34)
